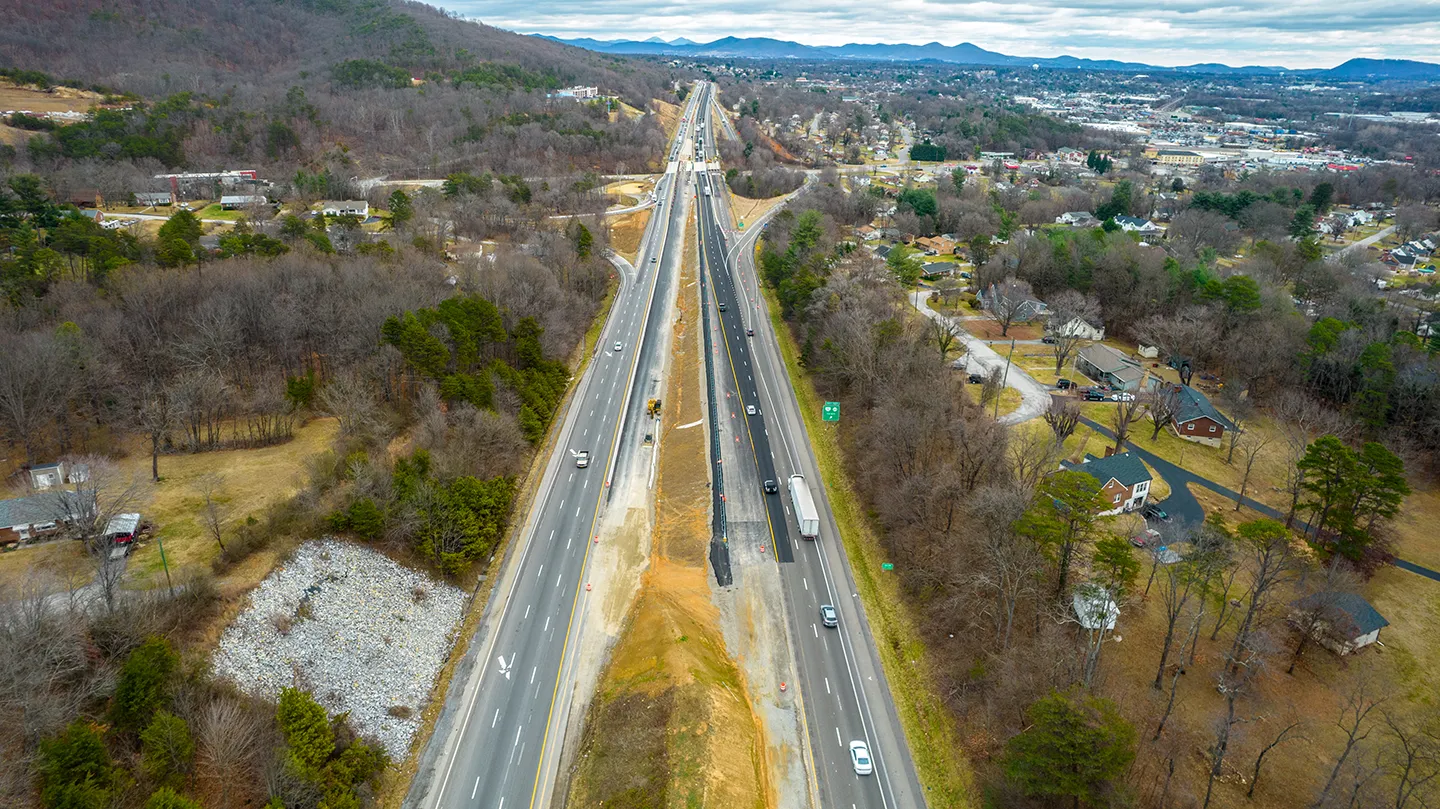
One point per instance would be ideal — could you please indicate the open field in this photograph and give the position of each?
(249, 482)
(56, 99)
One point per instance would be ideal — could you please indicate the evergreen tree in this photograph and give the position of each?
(1075, 747)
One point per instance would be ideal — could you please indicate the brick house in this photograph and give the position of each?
(1196, 419)
(1124, 480)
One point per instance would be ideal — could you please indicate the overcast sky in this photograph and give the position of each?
(1292, 33)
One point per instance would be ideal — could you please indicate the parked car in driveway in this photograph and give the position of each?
(1094, 396)
(977, 379)
(1048, 340)
(1146, 538)
(1064, 384)
(1155, 512)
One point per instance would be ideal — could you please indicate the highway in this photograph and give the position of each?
(842, 688)
(497, 742)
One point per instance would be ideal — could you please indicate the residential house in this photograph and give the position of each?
(349, 207)
(936, 245)
(149, 199)
(1124, 480)
(1148, 352)
(1079, 219)
(1346, 621)
(1139, 225)
(1070, 155)
(23, 519)
(86, 198)
(1196, 419)
(1107, 366)
(935, 269)
(1025, 311)
(1076, 327)
(234, 202)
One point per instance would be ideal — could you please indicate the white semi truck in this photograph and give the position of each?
(805, 514)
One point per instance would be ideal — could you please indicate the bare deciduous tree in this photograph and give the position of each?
(214, 511)
(1161, 405)
(1183, 337)
(1287, 733)
(1414, 757)
(1009, 302)
(1070, 313)
(1360, 701)
(1125, 415)
(1251, 445)
(1063, 417)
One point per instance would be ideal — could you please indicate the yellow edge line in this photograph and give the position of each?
(584, 562)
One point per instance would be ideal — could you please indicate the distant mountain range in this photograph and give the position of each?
(968, 54)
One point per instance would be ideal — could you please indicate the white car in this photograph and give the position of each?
(751, 411)
(618, 345)
(860, 758)
(582, 459)
(1123, 397)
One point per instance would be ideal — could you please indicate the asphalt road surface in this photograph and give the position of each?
(498, 741)
(842, 686)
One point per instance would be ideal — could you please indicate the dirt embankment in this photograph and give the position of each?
(626, 231)
(671, 725)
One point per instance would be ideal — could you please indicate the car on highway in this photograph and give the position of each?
(722, 307)
(829, 616)
(770, 487)
(619, 346)
(1154, 512)
(860, 758)
(654, 259)
(752, 410)
(582, 458)
(749, 332)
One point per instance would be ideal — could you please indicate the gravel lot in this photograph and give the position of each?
(361, 632)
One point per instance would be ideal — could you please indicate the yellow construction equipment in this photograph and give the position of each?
(652, 408)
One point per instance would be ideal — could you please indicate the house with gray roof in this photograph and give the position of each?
(1196, 419)
(23, 519)
(1107, 366)
(1124, 480)
(1344, 622)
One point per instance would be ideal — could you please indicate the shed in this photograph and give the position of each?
(1347, 622)
(1094, 608)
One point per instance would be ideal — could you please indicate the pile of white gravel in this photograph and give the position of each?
(359, 631)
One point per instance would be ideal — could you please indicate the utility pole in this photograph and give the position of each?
(1004, 377)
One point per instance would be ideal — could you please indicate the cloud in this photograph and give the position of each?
(1294, 33)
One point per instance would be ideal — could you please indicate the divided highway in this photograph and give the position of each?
(842, 687)
(498, 740)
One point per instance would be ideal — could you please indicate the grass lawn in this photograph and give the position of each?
(939, 757)
(250, 481)
(990, 330)
(58, 565)
(213, 211)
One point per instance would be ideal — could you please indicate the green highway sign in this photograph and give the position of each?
(830, 412)
(887, 566)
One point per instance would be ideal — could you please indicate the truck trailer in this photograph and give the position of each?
(806, 517)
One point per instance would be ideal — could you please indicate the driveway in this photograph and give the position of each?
(981, 358)
(1363, 243)
(1186, 510)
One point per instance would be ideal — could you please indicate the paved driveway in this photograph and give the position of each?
(1184, 509)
